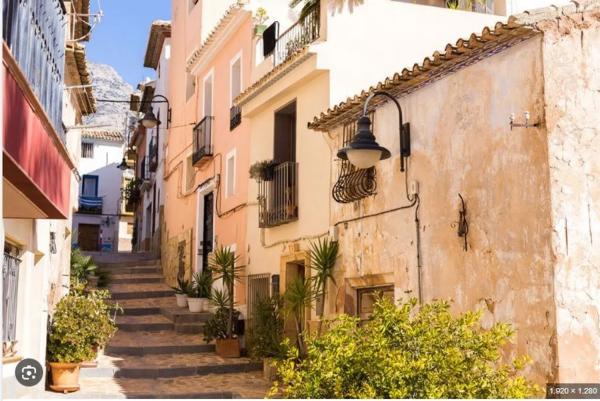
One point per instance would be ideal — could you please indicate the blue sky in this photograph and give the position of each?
(120, 38)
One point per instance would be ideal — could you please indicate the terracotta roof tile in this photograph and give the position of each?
(454, 57)
(79, 75)
(111, 136)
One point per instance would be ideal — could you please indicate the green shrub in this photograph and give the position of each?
(405, 352)
(79, 323)
(266, 335)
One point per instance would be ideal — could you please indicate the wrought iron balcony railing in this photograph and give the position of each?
(144, 171)
(202, 140)
(153, 153)
(90, 204)
(235, 117)
(305, 31)
(278, 196)
(34, 31)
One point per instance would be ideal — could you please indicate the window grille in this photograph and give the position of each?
(87, 150)
(10, 284)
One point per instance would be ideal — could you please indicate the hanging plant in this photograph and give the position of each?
(262, 170)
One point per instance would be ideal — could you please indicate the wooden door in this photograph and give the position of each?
(89, 237)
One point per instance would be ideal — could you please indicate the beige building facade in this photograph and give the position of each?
(530, 193)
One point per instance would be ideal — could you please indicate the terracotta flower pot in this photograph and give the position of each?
(65, 377)
(228, 347)
(181, 300)
(195, 304)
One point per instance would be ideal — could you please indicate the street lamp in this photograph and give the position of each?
(364, 151)
(149, 120)
(123, 166)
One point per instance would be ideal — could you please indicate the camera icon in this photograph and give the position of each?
(29, 372)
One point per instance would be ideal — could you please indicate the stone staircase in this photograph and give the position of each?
(158, 350)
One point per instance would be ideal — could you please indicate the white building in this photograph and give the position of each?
(101, 223)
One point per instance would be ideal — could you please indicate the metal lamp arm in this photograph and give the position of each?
(404, 128)
(168, 106)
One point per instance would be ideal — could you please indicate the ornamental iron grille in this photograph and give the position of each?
(10, 284)
(353, 183)
(258, 288)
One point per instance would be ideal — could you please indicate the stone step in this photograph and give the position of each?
(152, 269)
(140, 278)
(189, 328)
(183, 315)
(143, 290)
(151, 343)
(235, 385)
(170, 366)
(144, 323)
(127, 263)
(146, 306)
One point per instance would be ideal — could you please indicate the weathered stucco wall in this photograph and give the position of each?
(462, 143)
(571, 49)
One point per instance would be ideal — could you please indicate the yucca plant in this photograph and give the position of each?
(323, 255)
(81, 265)
(223, 265)
(299, 295)
(202, 284)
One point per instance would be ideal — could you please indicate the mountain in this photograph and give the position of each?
(108, 84)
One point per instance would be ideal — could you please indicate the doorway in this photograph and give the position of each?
(89, 237)
(205, 229)
(284, 141)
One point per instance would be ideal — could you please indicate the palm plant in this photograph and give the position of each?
(81, 265)
(223, 264)
(298, 296)
(323, 255)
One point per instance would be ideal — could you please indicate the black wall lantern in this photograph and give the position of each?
(364, 151)
(150, 120)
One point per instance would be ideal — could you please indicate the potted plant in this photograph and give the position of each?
(200, 291)
(223, 265)
(73, 334)
(266, 333)
(262, 170)
(260, 17)
(217, 327)
(181, 292)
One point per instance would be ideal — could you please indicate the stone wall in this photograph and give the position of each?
(462, 143)
(571, 56)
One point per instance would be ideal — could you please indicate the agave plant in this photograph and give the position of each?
(323, 255)
(183, 286)
(202, 284)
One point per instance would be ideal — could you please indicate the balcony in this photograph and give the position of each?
(278, 196)
(202, 141)
(90, 204)
(235, 117)
(34, 31)
(153, 153)
(305, 31)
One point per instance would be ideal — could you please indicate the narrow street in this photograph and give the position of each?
(158, 350)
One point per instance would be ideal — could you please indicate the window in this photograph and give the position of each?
(366, 299)
(235, 77)
(230, 174)
(89, 185)
(190, 86)
(208, 94)
(87, 150)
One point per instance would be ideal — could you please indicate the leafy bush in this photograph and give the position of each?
(405, 352)
(217, 326)
(265, 337)
(80, 323)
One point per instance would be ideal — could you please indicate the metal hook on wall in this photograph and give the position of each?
(462, 226)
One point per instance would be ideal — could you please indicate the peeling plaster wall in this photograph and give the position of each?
(571, 51)
(462, 143)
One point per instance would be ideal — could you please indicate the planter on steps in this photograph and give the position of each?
(65, 377)
(228, 347)
(182, 300)
(196, 304)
